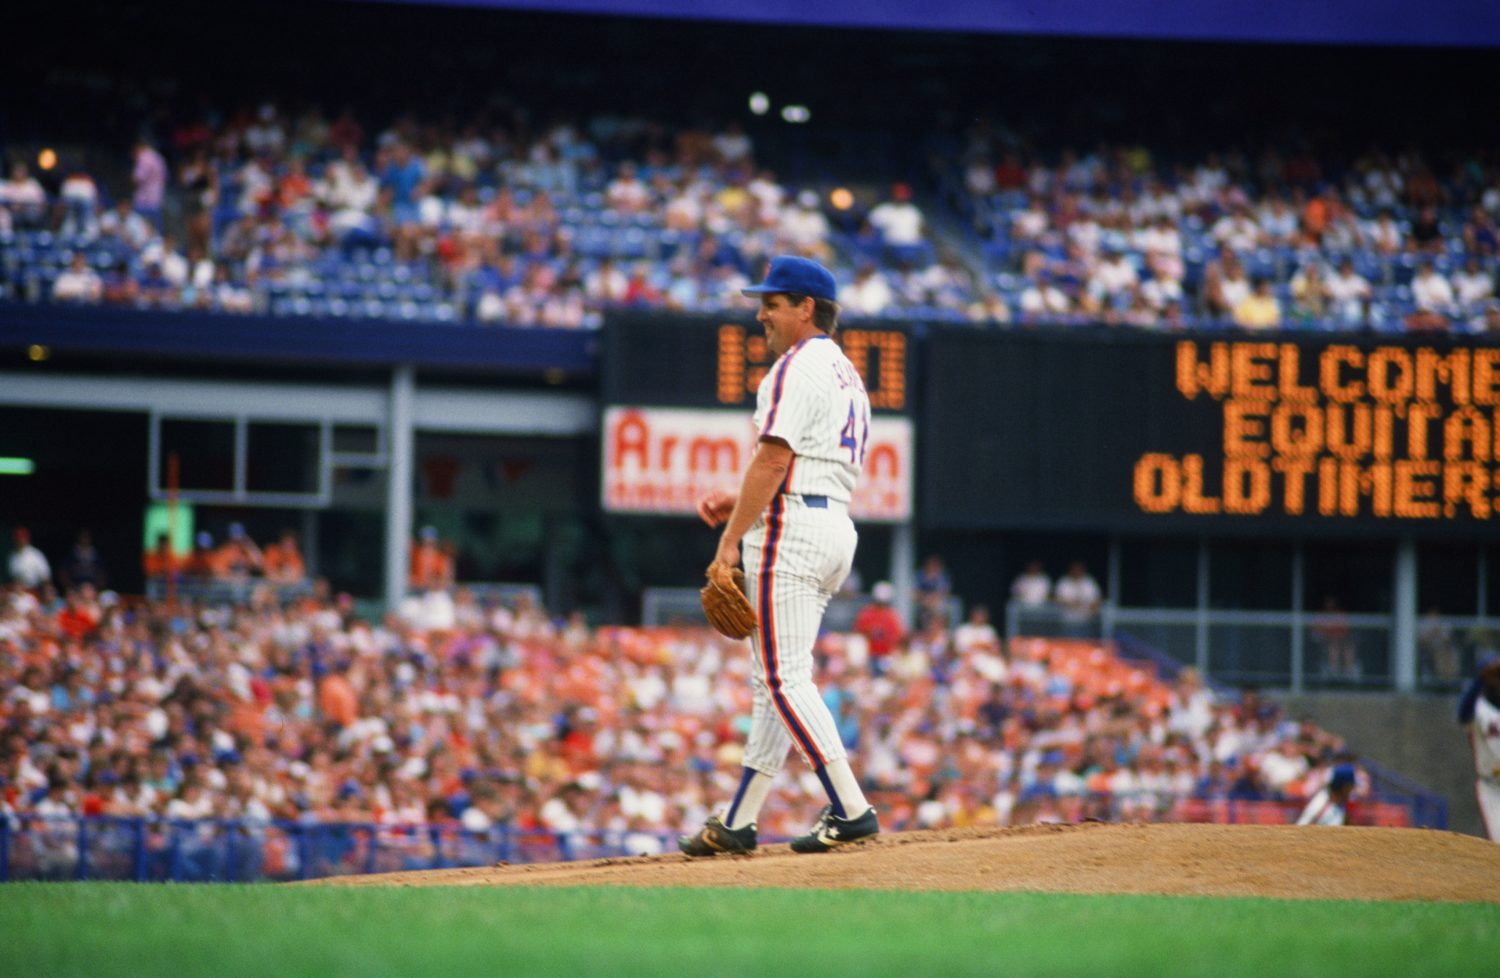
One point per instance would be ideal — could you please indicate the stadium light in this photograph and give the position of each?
(760, 103)
(47, 158)
(17, 466)
(841, 198)
(796, 114)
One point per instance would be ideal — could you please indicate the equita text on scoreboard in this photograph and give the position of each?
(1401, 432)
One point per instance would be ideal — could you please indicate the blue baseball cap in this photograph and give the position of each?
(799, 276)
(1343, 776)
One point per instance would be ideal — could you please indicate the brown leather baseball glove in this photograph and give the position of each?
(724, 601)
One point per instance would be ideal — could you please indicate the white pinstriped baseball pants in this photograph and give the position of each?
(795, 560)
(1487, 791)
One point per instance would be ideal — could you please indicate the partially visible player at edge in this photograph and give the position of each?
(1479, 710)
(792, 516)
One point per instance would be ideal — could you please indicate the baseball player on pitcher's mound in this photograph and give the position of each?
(792, 516)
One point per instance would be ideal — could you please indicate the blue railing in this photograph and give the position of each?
(35, 847)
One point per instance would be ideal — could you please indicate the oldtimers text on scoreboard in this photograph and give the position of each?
(1409, 433)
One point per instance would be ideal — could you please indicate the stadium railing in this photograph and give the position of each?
(1273, 648)
(57, 848)
(36, 847)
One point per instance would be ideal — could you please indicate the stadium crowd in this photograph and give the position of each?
(492, 219)
(461, 711)
(489, 220)
(1263, 241)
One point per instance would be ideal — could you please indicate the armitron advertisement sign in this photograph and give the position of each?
(662, 460)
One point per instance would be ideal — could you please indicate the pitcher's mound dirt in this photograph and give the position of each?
(1201, 860)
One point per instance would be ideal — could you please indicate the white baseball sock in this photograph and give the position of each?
(755, 788)
(840, 778)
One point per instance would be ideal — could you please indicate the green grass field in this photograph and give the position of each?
(165, 931)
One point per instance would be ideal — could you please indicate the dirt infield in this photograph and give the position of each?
(1198, 860)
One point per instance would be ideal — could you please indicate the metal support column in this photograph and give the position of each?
(1404, 630)
(398, 508)
(1299, 644)
(904, 570)
(1200, 630)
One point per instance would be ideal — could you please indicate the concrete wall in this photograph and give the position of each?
(1415, 736)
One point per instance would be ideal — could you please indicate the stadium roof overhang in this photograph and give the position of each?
(1459, 23)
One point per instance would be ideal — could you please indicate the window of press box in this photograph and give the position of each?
(1250, 575)
(1357, 575)
(1158, 572)
(204, 451)
(1448, 578)
(282, 457)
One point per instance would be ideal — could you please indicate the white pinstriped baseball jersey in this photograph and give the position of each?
(813, 399)
(799, 552)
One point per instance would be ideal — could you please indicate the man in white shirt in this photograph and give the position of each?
(24, 197)
(1042, 299)
(1033, 587)
(869, 294)
(28, 565)
(1348, 293)
(1431, 291)
(898, 220)
(1113, 278)
(79, 283)
(1238, 231)
(1472, 285)
(626, 193)
(1078, 596)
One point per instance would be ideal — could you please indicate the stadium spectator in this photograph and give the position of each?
(83, 564)
(1032, 587)
(161, 561)
(1431, 292)
(148, 177)
(1437, 647)
(23, 197)
(1225, 286)
(79, 283)
(78, 204)
(1472, 286)
(281, 562)
(1333, 633)
(868, 295)
(977, 639)
(199, 563)
(1310, 294)
(898, 219)
(1488, 321)
(1042, 300)
(128, 229)
(1078, 597)
(1260, 309)
(1384, 236)
(28, 565)
(934, 587)
(431, 565)
(237, 557)
(881, 626)
(1348, 294)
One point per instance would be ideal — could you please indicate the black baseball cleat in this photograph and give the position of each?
(832, 831)
(716, 837)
